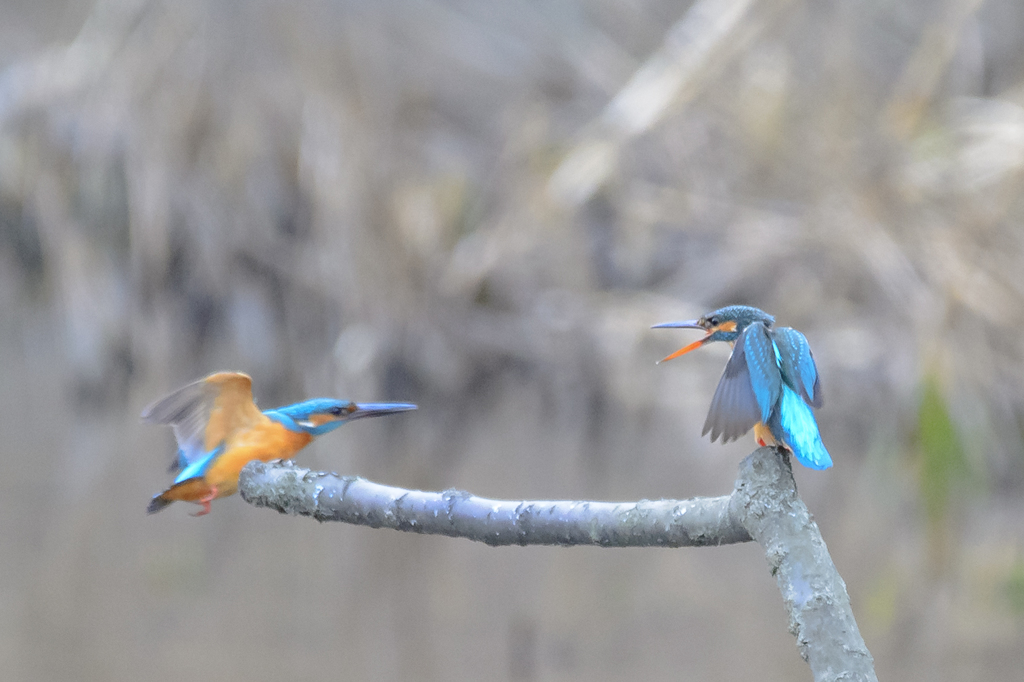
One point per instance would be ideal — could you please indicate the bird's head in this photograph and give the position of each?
(320, 415)
(724, 324)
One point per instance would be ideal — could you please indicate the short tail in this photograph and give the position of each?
(157, 503)
(814, 455)
(194, 489)
(801, 431)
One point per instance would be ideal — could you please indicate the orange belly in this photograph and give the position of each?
(266, 441)
(192, 490)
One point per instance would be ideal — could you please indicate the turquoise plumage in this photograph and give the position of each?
(770, 383)
(219, 430)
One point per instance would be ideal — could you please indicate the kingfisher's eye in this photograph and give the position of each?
(337, 411)
(713, 321)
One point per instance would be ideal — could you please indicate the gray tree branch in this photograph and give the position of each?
(764, 506)
(329, 497)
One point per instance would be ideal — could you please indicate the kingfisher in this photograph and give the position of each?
(219, 430)
(770, 382)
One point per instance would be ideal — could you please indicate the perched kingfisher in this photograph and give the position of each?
(219, 430)
(770, 382)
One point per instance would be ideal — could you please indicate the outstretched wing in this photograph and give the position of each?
(204, 413)
(797, 365)
(737, 406)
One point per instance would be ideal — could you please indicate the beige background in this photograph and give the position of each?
(439, 202)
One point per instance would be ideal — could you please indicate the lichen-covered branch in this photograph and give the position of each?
(764, 506)
(766, 502)
(329, 497)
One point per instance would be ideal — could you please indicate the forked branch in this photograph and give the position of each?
(764, 506)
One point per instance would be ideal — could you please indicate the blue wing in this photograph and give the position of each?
(198, 467)
(762, 363)
(797, 365)
(734, 409)
(225, 396)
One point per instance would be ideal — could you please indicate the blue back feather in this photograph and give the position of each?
(797, 364)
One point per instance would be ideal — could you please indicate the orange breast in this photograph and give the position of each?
(265, 441)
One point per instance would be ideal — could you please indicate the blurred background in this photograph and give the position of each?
(482, 207)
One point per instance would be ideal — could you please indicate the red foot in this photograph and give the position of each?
(760, 441)
(205, 501)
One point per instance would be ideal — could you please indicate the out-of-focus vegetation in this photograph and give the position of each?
(943, 469)
(482, 207)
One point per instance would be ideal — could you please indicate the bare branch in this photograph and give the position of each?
(329, 497)
(764, 506)
(820, 616)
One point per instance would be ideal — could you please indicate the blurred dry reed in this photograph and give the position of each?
(455, 202)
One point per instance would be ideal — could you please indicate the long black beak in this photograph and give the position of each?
(379, 409)
(685, 324)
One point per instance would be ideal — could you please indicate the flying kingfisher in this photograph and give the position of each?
(770, 382)
(219, 430)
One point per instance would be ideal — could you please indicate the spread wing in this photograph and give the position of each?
(735, 407)
(797, 365)
(204, 413)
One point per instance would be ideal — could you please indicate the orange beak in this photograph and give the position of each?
(686, 349)
(688, 324)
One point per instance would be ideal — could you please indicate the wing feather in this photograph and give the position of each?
(734, 408)
(797, 365)
(762, 363)
(204, 413)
